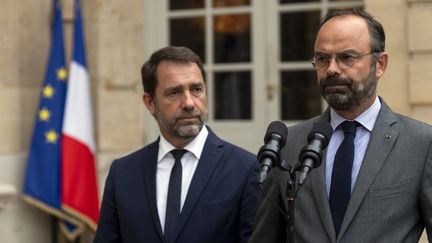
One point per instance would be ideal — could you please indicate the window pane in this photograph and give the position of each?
(232, 38)
(298, 32)
(233, 95)
(188, 32)
(185, 4)
(300, 97)
(230, 3)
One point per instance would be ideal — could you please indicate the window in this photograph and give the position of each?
(256, 54)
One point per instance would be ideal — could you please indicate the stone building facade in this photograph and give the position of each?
(115, 48)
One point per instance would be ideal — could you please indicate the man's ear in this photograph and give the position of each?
(148, 102)
(381, 64)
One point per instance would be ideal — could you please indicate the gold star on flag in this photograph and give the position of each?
(51, 136)
(44, 114)
(48, 91)
(61, 74)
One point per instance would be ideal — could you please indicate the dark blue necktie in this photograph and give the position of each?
(174, 194)
(340, 190)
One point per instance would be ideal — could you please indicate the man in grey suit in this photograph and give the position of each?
(389, 173)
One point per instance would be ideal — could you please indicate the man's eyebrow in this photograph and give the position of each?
(349, 51)
(173, 88)
(197, 84)
(320, 53)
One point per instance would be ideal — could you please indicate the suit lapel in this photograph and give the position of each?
(382, 139)
(319, 190)
(210, 158)
(320, 195)
(149, 170)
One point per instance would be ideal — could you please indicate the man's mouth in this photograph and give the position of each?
(335, 85)
(190, 119)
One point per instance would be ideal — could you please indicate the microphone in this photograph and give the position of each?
(268, 154)
(311, 154)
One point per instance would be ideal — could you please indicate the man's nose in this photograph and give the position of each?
(333, 67)
(188, 100)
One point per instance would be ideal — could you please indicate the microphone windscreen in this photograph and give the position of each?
(279, 128)
(323, 128)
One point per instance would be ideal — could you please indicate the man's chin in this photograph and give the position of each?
(189, 130)
(338, 101)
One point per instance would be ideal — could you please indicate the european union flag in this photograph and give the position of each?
(42, 181)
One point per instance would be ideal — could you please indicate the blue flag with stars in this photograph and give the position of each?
(42, 183)
(42, 179)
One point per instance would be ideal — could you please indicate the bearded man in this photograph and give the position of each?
(375, 181)
(188, 185)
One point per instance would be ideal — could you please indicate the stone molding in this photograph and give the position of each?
(6, 193)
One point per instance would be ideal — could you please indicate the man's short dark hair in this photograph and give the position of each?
(375, 28)
(170, 53)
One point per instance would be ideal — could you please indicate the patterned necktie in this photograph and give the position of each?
(174, 194)
(340, 190)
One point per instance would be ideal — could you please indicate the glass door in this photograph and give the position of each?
(256, 54)
(292, 79)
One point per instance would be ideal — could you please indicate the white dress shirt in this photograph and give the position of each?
(166, 162)
(367, 120)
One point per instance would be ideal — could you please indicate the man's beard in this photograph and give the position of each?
(179, 128)
(353, 93)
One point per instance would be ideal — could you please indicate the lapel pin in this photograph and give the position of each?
(388, 136)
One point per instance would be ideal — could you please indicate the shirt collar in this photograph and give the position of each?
(366, 119)
(195, 146)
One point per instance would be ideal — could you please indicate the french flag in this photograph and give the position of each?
(79, 193)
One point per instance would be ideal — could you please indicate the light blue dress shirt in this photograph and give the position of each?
(367, 120)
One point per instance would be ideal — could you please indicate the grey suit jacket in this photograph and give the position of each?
(391, 200)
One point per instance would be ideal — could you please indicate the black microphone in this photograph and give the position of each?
(311, 154)
(268, 154)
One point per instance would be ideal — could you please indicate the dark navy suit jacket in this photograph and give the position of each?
(219, 207)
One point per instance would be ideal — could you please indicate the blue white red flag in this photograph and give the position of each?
(61, 177)
(78, 177)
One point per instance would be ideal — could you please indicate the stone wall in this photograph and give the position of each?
(114, 42)
(23, 47)
(406, 86)
(407, 83)
(420, 56)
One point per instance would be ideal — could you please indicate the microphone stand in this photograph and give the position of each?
(290, 195)
(311, 157)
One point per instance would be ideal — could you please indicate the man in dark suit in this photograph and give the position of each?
(189, 186)
(375, 182)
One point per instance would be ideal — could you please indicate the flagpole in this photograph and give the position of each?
(78, 239)
(54, 229)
